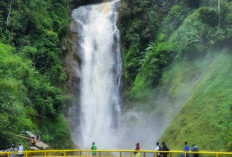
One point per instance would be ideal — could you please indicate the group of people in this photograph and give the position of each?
(14, 149)
(137, 149)
(159, 147)
(164, 147)
(186, 150)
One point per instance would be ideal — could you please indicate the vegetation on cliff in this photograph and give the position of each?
(32, 80)
(205, 119)
(169, 72)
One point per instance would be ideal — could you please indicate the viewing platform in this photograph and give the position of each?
(113, 153)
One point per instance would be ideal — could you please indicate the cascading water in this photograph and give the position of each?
(98, 42)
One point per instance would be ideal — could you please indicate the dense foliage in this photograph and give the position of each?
(139, 25)
(32, 79)
(178, 31)
(162, 43)
(151, 28)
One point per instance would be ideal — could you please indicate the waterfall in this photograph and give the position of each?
(101, 67)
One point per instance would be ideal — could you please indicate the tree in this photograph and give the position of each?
(209, 16)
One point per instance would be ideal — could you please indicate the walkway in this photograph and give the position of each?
(111, 153)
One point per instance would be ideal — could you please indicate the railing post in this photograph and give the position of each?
(86, 154)
(45, 153)
(156, 154)
(108, 154)
(64, 154)
(8, 154)
(131, 154)
(216, 154)
(185, 154)
(120, 154)
(100, 154)
(144, 154)
(26, 154)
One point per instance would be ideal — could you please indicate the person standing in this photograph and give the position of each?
(12, 149)
(186, 148)
(137, 150)
(195, 149)
(94, 148)
(158, 148)
(165, 148)
(20, 151)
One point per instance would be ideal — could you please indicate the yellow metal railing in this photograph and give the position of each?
(113, 153)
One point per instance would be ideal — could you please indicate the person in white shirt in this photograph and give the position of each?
(158, 148)
(20, 152)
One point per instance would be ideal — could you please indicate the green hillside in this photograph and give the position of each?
(181, 75)
(205, 118)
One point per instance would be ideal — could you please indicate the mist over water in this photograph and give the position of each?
(100, 115)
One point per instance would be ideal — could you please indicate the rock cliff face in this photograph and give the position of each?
(71, 60)
(71, 63)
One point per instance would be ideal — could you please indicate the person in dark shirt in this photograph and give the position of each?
(165, 148)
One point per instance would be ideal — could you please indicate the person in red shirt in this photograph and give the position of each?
(137, 149)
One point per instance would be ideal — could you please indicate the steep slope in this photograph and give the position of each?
(185, 65)
(205, 119)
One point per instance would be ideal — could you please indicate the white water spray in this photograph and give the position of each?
(98, 40)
